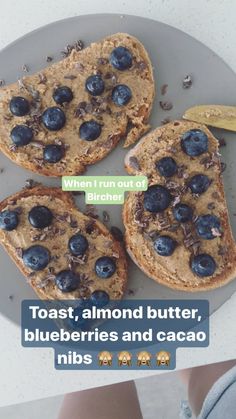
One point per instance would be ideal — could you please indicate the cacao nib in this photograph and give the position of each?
(166, 106)
(117, 233)
(134, 163)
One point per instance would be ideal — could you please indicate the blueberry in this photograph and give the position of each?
(78, 244)
(199, 184)
(67, 281)
(95, 85)
(19, 106)
(121, 95)
(205, 226)
(62, 95)
(194, 142)
(79, 322)
(54, 118)
(105, 267)
(90, 130)
(121, 58)
(203, 265)
(8, 220)
(164, 245)
(81, 304)
(36, 257)
(166, 166)
(99, 298)
(40, 216)
(182, 213)
(157, 198)
(53, 153)
(21, 135)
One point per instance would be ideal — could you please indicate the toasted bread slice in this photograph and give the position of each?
(66, 222)
(115, 122)
(192, 237)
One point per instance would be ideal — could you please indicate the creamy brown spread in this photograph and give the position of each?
(55, 238)
(117, 121)
(142, 226)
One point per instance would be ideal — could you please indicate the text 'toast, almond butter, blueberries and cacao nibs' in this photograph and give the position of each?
(54, 117)
(158, 198)
(37, 257)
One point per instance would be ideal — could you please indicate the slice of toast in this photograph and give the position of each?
(66, 222)
(143, 228)
(114, 122)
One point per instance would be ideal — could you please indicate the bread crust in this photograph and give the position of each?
(171, 271)
(129, 122)
(115, 287)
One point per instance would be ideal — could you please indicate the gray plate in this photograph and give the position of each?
(174, 54)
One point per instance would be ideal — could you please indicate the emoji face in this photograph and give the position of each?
(105, 358)
(144, 358)
(163, 358)
(124, 358)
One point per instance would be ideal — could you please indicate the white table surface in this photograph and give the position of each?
(28, 374)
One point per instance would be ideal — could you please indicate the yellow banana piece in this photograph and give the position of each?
(214, 115)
